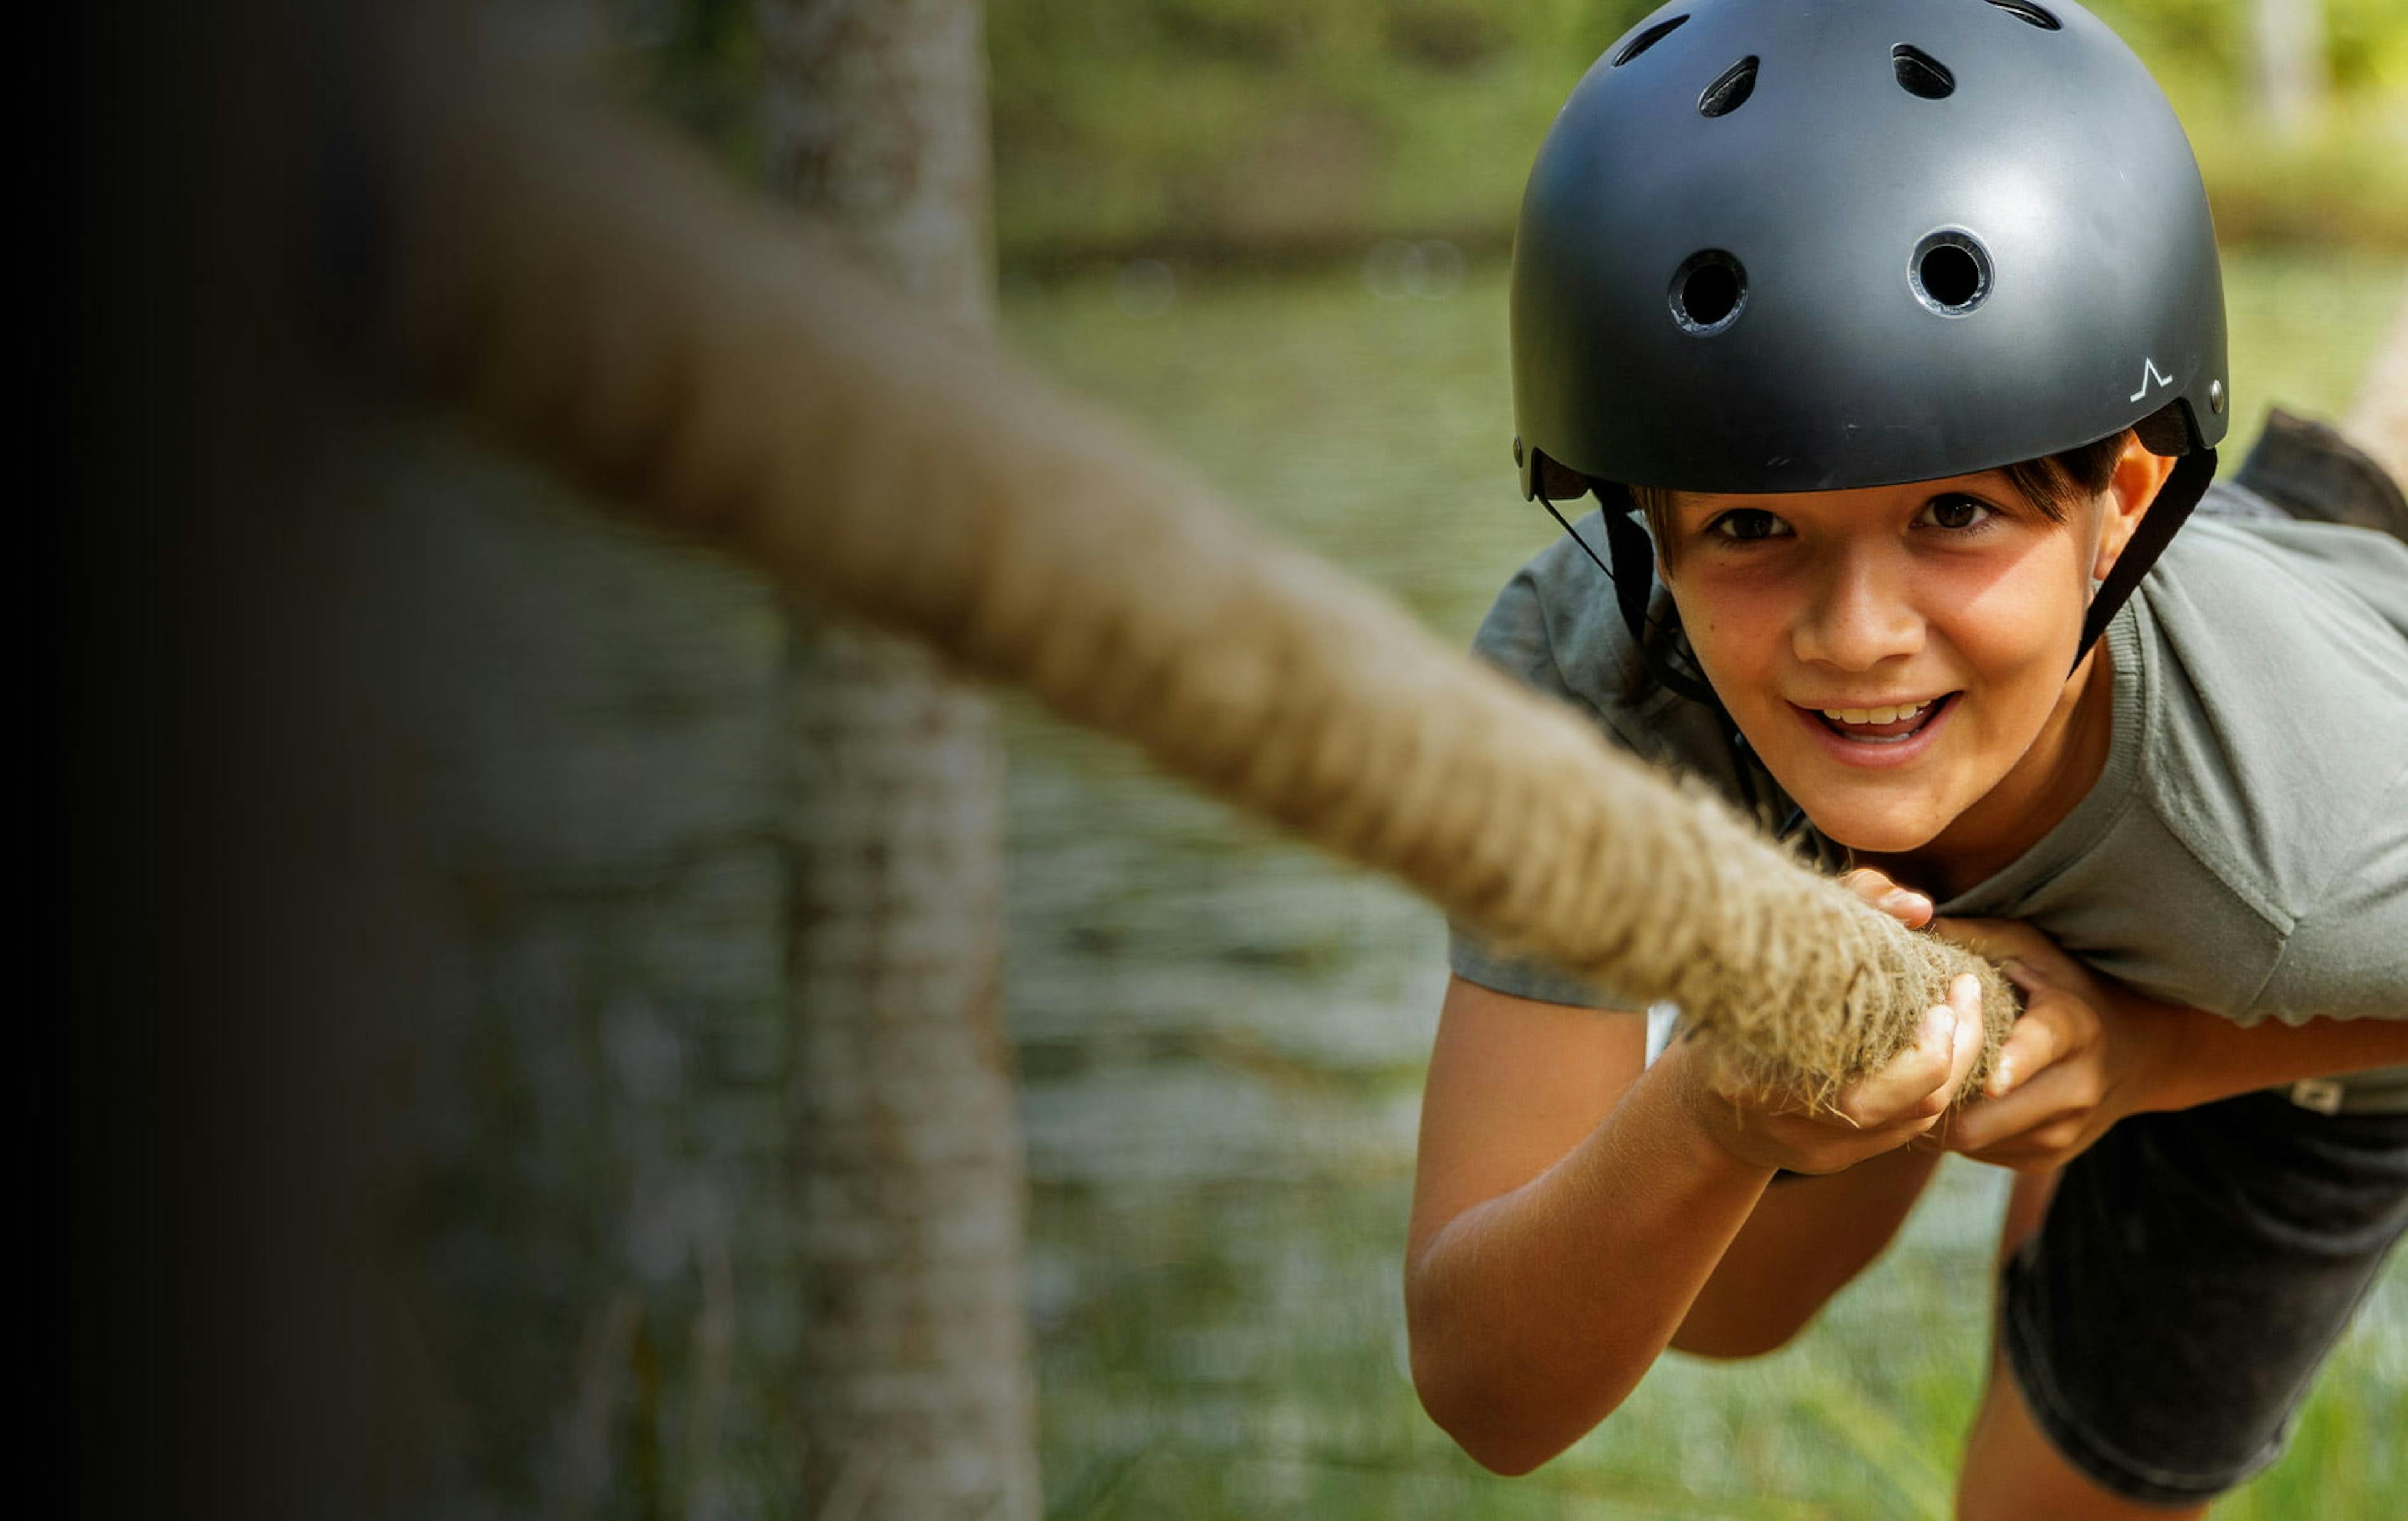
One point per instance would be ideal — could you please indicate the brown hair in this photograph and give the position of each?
(2054, 483)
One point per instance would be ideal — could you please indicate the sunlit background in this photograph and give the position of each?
(1273, 234)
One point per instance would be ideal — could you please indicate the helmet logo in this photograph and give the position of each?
(2149, 376)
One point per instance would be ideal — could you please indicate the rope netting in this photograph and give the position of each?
(597, 296)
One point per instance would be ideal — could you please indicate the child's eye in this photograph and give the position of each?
(1954, 511)
(1747, 522)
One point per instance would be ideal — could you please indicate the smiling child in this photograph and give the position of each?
(1890, 337)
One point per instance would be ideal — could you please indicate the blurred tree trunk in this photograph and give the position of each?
(918, 1398)
(2289, 67)
(533, 1030)
(711, 1190)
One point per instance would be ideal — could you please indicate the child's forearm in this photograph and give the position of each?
(1806, 1238)
(1534, 1313)
(2208, 1057)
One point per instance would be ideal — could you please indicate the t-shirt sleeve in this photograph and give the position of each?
(1514, 639)
(2347, 957)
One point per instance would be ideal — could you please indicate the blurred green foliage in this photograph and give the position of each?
(1287, 128)
(1304, 129)
(2366, 41)
(1273, 127)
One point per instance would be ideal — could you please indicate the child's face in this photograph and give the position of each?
(1956, 599)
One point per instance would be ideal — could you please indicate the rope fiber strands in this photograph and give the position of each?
(578, 284)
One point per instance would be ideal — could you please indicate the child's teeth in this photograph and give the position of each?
(1872, 715)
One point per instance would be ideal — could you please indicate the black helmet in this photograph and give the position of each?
(1804, 246)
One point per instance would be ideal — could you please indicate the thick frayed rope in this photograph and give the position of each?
(573, 281)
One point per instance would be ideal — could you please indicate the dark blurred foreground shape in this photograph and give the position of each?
(533, 1027)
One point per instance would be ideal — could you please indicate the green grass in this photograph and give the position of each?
(1222, 1035)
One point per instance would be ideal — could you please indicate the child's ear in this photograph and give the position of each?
(2140, 474)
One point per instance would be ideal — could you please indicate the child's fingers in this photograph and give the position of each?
(1904, 904)
(2050, 1029)
(1866, 882)
(1961, 1021)
(1964, 1011)
(2029, 958)
(1896, 1090)
(1965, 1001)
(2048, 1096)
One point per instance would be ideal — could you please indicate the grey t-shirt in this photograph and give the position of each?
(2245, 850)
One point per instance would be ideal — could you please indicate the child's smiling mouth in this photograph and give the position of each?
(1879, 735)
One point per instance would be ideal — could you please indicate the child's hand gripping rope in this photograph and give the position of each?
(1904, 1101)
(2083, 1056)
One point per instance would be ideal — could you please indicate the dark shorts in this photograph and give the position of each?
(2192, 1273)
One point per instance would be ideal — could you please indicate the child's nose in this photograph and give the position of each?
(1860, 616)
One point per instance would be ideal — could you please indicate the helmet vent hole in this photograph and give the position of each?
(1729, 92)
(1647, 40)
(1708, 291)
(1951, 273)
(1920, 74)
(2029, 14)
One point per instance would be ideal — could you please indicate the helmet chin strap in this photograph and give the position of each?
(2172, 505)
(1633, 575)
